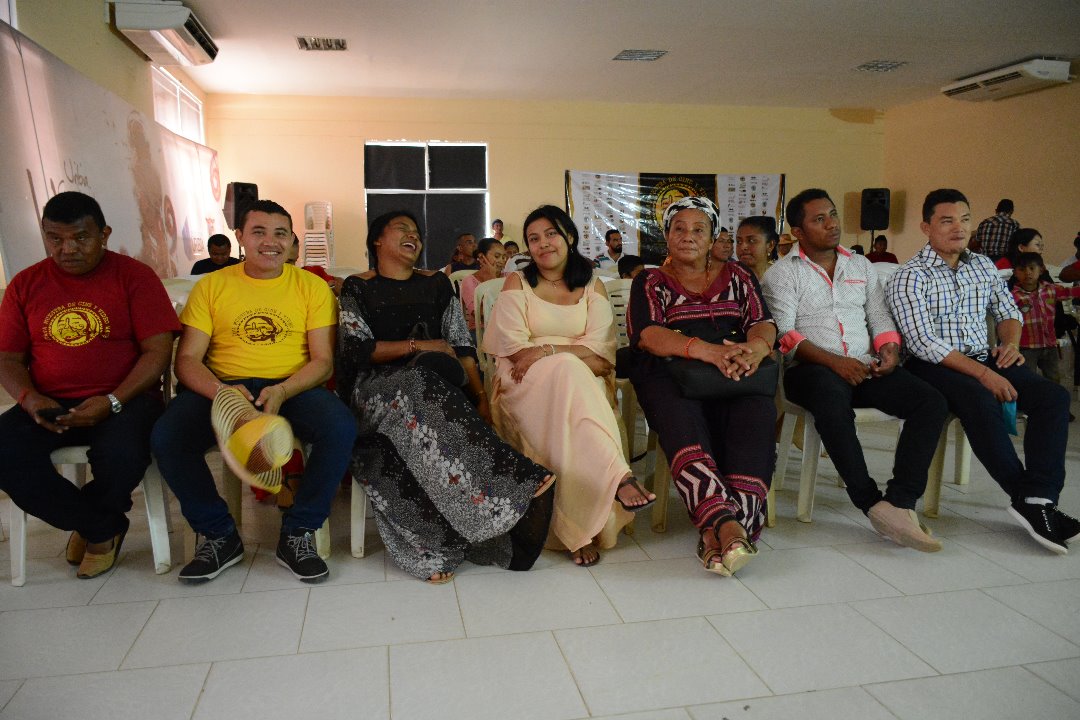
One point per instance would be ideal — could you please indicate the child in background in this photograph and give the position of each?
(629, 266)
(1036, 297)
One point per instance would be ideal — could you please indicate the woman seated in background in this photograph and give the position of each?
(443, 486)
(721, 451)
(1023, 240)
(553, 335)
(755, 243)
(492, 258)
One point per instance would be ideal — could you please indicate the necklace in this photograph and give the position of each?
(554, 283)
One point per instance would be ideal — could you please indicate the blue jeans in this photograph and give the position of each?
(119, 455)
(1047, 408)
(183, 435)
(832, 402)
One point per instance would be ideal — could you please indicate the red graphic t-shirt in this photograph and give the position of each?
(82, 332)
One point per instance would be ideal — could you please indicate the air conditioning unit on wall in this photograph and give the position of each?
(1012, 80)
(165, 31)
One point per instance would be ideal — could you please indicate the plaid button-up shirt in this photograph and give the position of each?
(844, 314)
(939, 309)
(1038, 310)
(994, 232)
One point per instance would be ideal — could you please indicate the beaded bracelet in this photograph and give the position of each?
(686, 350)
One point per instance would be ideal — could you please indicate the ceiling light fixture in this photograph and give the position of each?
(640, 55)
(881, 65)
(308, 42)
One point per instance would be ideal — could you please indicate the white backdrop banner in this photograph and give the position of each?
(634, 204)
(160, 192)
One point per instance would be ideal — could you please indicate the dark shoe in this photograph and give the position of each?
(212, 557)
(1041, 522)
(1068, 526)
(94, 564)
(297, 552)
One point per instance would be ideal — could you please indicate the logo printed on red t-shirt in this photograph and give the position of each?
(76, 324)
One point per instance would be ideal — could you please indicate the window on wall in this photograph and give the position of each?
(176, 107)
(444, 185)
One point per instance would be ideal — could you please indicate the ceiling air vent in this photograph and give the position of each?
(640, 55)
(880, 65)
(309, 42)
(1012, 80)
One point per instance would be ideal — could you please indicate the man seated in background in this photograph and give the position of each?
(85, 336)
(267, 329)
(220, 249)
(608, 260)
(940, 299)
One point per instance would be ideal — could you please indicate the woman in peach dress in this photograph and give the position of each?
(553, 335)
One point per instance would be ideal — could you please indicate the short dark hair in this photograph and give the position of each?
(795, 212)
(858, 249)
(267, 206)
(609, 233)
(881, 238)
(71, 207)
(484, 246)
(1005, 205)
(219, 240)
(514, 243)
(939, 196)
(627, 263)
(1028, 258)
(578, 267)
(497, 220)
(378, 226)
(463, 235)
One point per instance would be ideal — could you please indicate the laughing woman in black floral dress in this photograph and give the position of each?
(444, 487)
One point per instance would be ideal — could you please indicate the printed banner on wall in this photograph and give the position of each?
(634, 204)
(160, 192)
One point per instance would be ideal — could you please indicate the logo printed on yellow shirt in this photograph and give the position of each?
(76, 324)
(262, 326)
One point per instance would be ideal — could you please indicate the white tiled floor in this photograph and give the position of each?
(828, 621)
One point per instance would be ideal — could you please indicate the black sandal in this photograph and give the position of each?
(641, 491)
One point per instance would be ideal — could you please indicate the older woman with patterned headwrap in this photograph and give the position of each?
(721, 451)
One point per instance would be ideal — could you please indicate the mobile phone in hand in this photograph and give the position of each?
(51, 413)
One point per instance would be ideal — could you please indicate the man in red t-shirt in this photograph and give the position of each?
(85, 336)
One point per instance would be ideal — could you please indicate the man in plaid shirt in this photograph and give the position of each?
(843, 350)
(992, 236)
(940, 299)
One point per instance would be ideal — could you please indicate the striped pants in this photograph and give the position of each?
(721, 451)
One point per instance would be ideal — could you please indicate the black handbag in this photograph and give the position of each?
(698, 380)
(449, 368)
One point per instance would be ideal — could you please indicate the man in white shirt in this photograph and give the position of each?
(843, 352)
(610, 259)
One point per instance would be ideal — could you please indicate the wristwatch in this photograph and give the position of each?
(117, 406)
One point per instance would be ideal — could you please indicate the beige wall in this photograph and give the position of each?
(1026, 148)
(76, 31)
(300, 149)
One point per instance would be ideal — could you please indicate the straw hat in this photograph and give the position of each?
(254, 444)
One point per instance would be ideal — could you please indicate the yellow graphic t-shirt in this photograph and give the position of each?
(258, 328)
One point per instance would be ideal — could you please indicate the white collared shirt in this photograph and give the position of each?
(845, 314)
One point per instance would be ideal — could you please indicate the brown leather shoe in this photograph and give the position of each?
(94, 564)
(902, 527)
(76, 548)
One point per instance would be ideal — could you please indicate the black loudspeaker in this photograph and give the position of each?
(237, 195)
(875, 209)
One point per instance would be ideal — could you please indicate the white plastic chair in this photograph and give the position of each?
(484, 299)
(73, 462)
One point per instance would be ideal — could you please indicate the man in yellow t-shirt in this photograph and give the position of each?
(268, 329)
